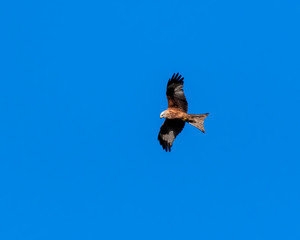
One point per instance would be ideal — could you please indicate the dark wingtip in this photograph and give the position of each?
(176, 78)
(165, 145)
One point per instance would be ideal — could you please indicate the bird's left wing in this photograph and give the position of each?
(168, 132)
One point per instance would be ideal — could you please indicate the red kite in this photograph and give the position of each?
(176, 115)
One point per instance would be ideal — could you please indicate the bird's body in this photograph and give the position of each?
(176, 115)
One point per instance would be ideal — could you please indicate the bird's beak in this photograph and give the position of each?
(160, 116)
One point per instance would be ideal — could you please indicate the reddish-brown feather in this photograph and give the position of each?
(175, 113)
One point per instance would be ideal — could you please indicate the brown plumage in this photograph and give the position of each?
(176, 115)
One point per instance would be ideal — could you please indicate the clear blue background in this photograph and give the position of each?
(82, 87)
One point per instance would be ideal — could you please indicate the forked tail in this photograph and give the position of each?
(197, 120)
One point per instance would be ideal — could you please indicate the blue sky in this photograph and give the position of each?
(83, 84)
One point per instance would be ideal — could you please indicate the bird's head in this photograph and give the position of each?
(163, 114)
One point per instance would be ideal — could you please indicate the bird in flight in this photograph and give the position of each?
(176, 115)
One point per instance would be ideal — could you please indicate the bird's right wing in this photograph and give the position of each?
(168, 132)
(175, 94)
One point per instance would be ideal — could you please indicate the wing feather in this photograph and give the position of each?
(175, 94)
(168, 132)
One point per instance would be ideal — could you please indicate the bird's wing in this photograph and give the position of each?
(175, 94)
(168, 132)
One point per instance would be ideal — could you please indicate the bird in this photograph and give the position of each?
(176, 115)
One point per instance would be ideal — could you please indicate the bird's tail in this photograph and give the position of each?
(197, 120)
